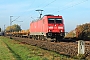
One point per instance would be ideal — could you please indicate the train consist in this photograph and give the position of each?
(46, 28)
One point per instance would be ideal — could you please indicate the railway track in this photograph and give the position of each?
(66, 48)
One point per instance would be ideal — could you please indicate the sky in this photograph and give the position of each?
(74, 12)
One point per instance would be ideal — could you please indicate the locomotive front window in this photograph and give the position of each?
(58, 20)
(54, 20)
(51, 20)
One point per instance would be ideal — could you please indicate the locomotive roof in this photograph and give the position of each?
(49, 15)
(42, 17)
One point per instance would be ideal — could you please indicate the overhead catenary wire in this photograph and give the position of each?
(72, 6)
(51, 3)
(33, 2)
(15, 19)
(48, 4)
(29, 8)
(62, 7)
(45, 5)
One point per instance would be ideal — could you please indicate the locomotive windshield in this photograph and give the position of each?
(50, 20)
(54, 20)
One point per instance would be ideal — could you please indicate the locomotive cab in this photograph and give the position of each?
(55, 27)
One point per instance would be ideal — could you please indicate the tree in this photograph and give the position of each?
(83, 31)
(71, 34)
(13, 28)
(80, 32)
(16, 28)
(8, 29)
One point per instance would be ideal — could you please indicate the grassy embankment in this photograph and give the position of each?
(13, 50)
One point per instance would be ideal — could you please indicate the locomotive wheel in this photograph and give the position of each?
(42, 37)
(33, 38)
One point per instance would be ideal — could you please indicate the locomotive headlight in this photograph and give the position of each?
(50, 30)
(50, 27)
(61, 31)
(60, 27)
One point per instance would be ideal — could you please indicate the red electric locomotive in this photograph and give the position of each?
(49, 26)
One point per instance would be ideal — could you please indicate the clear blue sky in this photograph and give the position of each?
(74, 12)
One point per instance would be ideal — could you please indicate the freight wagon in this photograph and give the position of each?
(1, 33)
(47, 27)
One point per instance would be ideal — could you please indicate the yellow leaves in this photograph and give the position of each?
(13, 28)
(83, 30)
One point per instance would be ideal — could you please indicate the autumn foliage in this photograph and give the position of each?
(13, 28)
(81, 31)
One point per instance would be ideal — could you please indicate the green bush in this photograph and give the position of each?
(80, 57)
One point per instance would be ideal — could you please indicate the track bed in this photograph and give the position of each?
(66, 48)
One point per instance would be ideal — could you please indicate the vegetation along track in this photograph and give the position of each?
(7, 53)
(66, 48)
